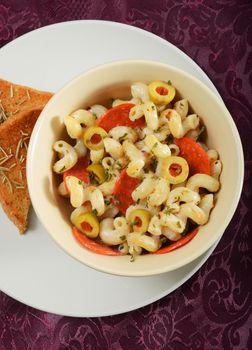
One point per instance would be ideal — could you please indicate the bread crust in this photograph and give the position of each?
(20, 107)
(14, 139)
(17, 98)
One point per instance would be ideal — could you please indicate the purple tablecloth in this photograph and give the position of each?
(213, 310)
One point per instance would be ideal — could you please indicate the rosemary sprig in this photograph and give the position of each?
(11, 91)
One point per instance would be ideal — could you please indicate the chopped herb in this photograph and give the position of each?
(93, 179)
(107, 201)
(178, 224)
(123, 237)
(119, 164)
(62, 169)
(94, 211)
(155, 145)
(146, 170)
(153, 108)
(158, 129)
(169, 82)
(80, 182)
(122, 137)
(163, 240)
(132, 258)
(167, 211)
(94, 115)
(138, 201)
(121, 247)
(108, 176)
(153, 163)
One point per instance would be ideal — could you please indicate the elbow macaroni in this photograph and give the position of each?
(202, 180)
(179, 127)
(160, 192)
(140, 91)
(76, 190)
(122, 133)
(113, 147)
(98, 110)
(68, 154)
(181, 107)
(96, 156)
(149, 111)
(74, 123)
(110, 234)
(144, 189)
(80, 148)
(160, 150)
(134, 168)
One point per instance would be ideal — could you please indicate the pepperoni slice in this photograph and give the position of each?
(179, 243)
(124, 187)
(119, 116)
(79, 171)
(194, 154)
(92, 245)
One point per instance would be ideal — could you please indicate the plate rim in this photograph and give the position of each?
(207, 254)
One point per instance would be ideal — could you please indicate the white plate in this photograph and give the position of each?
(32, 268)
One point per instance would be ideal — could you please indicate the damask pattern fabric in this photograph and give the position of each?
(213, 310)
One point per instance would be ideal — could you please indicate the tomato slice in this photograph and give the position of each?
(194, 154)
(119, 116)
(184, 240)
(92, 245)
(79, 171)
(124, 187)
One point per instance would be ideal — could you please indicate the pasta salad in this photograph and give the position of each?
(138, 174)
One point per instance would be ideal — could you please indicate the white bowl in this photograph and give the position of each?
(113, 80)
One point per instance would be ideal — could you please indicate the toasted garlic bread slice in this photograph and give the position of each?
(14, 138)
(17, 98)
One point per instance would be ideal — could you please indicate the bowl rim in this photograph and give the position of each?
(237, 193)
